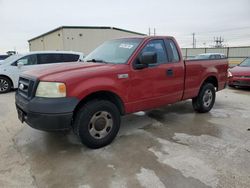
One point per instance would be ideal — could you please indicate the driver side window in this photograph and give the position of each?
(158, 47)
(28, 60)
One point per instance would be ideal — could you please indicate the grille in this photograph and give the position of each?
(243, 76)
(242, 82)
(26, 87)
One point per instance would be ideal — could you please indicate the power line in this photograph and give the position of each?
(219, 30)
(225, 30)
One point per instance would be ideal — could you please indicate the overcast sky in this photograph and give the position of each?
(21, 20)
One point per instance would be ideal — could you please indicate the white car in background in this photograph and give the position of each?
(3, 57)
(11, 67)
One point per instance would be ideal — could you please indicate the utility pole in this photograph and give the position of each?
(194, 40)
(218, 42)
(149, 32)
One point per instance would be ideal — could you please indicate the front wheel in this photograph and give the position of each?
(5, 85)
(97, 123)
(204, 102)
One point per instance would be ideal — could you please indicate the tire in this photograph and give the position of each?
(5, 85)
(204, 102)
(97, 123)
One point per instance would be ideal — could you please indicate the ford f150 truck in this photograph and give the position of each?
(121, 76)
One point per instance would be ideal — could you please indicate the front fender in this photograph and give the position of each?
(93, 85)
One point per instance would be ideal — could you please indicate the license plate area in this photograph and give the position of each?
(21, 115)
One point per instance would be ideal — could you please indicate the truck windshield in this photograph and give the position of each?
(245, 63)
(114, 51)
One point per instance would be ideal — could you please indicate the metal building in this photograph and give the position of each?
(77, 38)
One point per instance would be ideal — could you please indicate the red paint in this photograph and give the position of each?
(143, 89)
(240, 76)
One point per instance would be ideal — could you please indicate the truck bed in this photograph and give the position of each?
(197, 70)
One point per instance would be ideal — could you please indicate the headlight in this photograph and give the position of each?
(51, 90)
(229, 74)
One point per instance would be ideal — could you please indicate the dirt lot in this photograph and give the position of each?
(168, 147)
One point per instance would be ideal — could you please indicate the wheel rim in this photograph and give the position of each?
(100, 124)
(207, 98)
(3, 85)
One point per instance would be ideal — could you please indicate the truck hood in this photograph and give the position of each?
(60, 72)
(240, 71)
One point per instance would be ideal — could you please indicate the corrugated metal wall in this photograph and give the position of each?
(86, 40)
(81, 40)
(52, 41)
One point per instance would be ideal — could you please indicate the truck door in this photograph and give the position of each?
(170, 83)
(160, 83)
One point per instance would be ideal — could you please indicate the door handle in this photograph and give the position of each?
(170, 72)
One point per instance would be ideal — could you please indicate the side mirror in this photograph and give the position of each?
(148, 58)
(145, 59)
(19, 65)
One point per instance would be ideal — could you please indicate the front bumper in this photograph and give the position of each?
(45, 113)
(239, 81)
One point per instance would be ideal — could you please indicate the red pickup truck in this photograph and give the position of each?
(121, 76)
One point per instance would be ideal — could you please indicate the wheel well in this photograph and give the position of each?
(212, 80)
(4, 76)
(102, 95)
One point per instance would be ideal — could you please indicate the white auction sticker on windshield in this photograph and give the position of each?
(127, 46)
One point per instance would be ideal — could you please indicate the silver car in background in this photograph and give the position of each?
(210, 56)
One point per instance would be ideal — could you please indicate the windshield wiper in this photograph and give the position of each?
(96, 61)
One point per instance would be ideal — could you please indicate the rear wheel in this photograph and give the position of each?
(204, 102)
(97, 123)
(5, 84)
